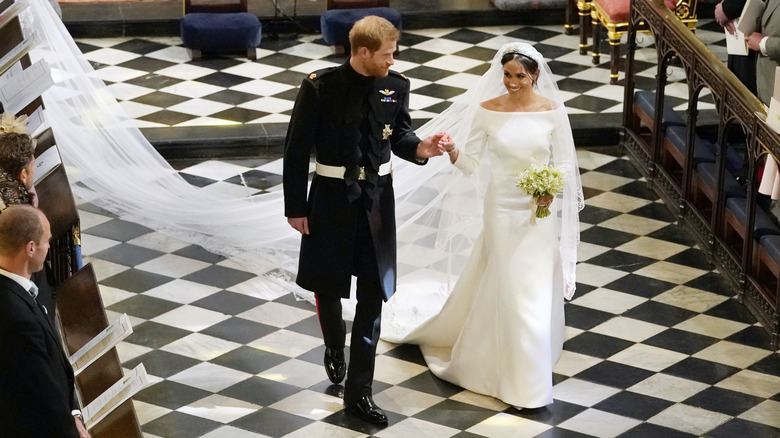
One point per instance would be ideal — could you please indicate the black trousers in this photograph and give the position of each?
(368, 316)
(744, 68)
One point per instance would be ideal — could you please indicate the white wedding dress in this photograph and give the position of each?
(500, 330)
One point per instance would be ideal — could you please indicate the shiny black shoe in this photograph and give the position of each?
(366, 410)
(335, 365)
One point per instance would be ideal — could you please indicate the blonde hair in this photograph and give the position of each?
(370, 32)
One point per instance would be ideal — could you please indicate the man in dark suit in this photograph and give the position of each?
(743, 67)
(37, 398)
(353, 116)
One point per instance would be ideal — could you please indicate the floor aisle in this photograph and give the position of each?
(656, 345)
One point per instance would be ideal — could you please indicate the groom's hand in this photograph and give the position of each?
(430, 147)
(299, 223)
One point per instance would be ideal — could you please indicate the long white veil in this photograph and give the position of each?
(112, 165)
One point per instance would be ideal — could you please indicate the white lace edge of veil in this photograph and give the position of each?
(111, 165)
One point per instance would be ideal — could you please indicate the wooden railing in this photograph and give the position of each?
(735, 128)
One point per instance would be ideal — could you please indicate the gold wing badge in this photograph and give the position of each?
(387, 96)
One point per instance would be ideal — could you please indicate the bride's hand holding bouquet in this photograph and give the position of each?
(542, 183)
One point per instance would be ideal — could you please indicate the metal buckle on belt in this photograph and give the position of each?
(362, 174)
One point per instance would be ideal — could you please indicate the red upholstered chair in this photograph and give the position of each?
(613, 14)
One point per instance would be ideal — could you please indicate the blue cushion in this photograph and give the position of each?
(335, 24)
(646, 101)
(764, 224)
(220, 32)
(735, 159)
(703, 152)
(771, 245)
(708, 172)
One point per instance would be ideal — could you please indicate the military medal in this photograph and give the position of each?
(387, 132)
(387, 93)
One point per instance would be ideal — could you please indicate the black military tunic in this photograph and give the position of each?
(355, 121)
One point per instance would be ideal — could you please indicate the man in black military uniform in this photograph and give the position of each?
(352, 116)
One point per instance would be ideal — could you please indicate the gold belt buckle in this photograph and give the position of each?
(362, 174)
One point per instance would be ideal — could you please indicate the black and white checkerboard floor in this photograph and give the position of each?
(158, 85)
(656, 344)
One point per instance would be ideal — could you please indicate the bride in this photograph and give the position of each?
(500, 330)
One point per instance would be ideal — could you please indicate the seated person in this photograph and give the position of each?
(16, 169)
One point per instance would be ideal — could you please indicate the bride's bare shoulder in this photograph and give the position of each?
(492, 104)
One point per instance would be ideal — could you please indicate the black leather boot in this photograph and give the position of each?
(335, 365)
(366, 410)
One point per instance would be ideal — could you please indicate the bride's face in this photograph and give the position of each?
(516, 78)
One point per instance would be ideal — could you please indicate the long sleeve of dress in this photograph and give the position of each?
(471, 153)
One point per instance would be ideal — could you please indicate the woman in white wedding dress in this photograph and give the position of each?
(500, 331)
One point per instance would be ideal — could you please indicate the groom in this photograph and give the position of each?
(352, 116)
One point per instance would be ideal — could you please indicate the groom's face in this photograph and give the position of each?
(378, 63)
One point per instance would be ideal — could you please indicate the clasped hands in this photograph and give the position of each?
(753, 40)
(435, 145)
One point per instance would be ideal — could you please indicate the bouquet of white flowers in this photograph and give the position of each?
(539, 181)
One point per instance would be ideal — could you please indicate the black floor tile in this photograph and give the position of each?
(198, 253)
(712, 282)
(180, 425)
(171, 395)
(594, 344)
(427, 382)
(308, 326)
(407, 352)
(606, 237)
(557, 432)
(673, 233)
(232, 97)
(573, 85)
(721, 400)
(733, 310)
(753, 336)
(469, 36)
(229, 303)
(417, 56)
(478, 53)
(584, 318)
(692, 257)
(700, 370)
(143, 306)
(647, 430)
(633, 405)
(135, 280)
(738, 427)
(154, 81)
(455, 414)
(154, 335)
(217, 62)
(681, 341)
(147, 64)
(239, 330)
(562, 68)
(640, 285)
(659, 313)
(409, 39)
(622, 261)
(428, 73)
(614, 374)
(341, 419)
(589, 103)
(622, 168)
(654, 210)
(167, 117)
(140, 46)
(240, 115)
(222, 79)
(596, 215)
(260, 391)
(257, 179)
(197, 181)
(249, 360)
(439, 91)
(639, 189)
(118, 229)
(127, 254)
(553, 414)
(271, 422)
(768, 365)
(288, 77)
(551, 52)
(219, 276)
(160, 99)
(161, 363)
